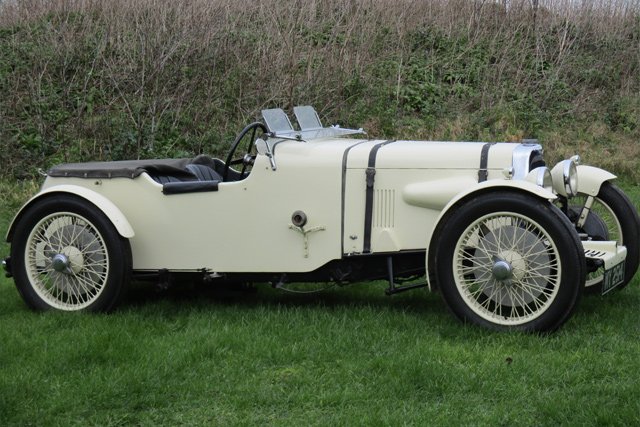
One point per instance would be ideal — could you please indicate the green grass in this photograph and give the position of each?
(347, 356)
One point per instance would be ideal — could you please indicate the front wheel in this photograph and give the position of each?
(510, 261)
(68, 256)
(608, 216)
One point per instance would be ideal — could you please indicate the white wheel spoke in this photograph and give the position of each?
(85, 284)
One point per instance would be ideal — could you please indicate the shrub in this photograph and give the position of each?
(90, 80)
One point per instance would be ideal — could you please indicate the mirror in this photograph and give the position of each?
(264, 149)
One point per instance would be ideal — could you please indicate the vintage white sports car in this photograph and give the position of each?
(509, 243)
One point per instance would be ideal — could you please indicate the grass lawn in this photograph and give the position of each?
(347, 356)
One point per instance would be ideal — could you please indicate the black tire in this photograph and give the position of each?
(510, 261)
(67, 255)
(612, 217)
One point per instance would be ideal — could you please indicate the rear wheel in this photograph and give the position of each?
(608, 216)
(510, 261)
(68, 256)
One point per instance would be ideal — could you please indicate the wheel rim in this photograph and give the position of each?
(67, 261)
(609, 218)
(507, 268)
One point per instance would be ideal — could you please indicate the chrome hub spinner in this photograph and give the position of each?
(69, 261)
(60, 263)
(502, 270)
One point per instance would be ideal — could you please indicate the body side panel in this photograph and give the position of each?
(243, 227)
(414, 181)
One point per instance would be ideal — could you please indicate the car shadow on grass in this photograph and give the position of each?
(189, 297)
(201, 296)
(357, 303)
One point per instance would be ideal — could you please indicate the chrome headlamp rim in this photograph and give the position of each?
(541, 176)
(570, 177)
(565, 178)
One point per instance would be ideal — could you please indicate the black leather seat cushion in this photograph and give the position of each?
(203, 172)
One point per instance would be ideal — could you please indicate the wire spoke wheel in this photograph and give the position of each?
(506, 268)
(67, 261)
(69, 256)
(600, 223)
(510, 261)
(609, 215)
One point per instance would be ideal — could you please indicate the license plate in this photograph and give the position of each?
(613, 277)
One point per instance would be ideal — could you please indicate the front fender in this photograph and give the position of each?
(107, 207)
(590, 179)
(442, 194)
(478, 188)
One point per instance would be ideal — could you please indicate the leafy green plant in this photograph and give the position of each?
(124, 79)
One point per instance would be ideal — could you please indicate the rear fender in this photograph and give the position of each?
(477, 189)
(107, 207)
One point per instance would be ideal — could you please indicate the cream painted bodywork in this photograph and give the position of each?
(590, 179)
(608, 252)
(101, 202)
(245, 226)
(414, 183)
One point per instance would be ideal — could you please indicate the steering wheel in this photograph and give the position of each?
(247, 159)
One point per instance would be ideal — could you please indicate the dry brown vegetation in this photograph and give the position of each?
(92, 79)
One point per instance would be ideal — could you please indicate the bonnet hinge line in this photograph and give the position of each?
(483, 173)
(370, 176)
(344, 186)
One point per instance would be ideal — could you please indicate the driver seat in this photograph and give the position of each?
(203, 172)
(216, 166)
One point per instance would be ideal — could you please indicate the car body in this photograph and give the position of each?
(330, 204)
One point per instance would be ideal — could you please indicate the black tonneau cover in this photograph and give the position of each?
(122, 169)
